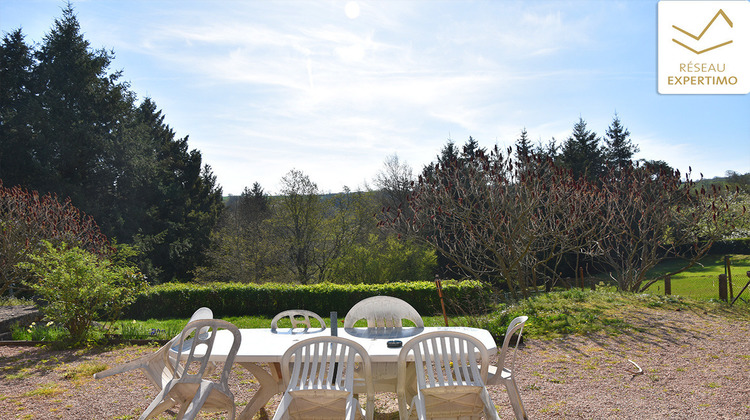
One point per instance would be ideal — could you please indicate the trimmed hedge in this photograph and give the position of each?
(731, 246)
(180, 300)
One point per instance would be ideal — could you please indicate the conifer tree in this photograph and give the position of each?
(524, 151)
(619, 148)
(582, 154)
(70, 127)
(16, 108)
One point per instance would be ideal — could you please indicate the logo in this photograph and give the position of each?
(717, 60)
(698, 38)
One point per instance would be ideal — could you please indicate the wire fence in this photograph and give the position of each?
(707, 287)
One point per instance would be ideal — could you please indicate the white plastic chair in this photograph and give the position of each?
(382, 311)
(503, 372)
(451, 370)
(299, 318)
(319, 373)
(190, 390)
(156, 365)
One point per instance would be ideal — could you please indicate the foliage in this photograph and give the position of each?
(496, 223)
(71, 127)
(394, 182)
(517, 223)
(243, 248)
(26, 219)
(650, 216)
(731, 246)
(298, 217)
(80, 287)
(384, 260)
(582, 154)
(236, 299)
(619, 149)
(15, 301)
(306, 237)
(39, 332)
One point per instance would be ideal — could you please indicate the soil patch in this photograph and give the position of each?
(695, 365)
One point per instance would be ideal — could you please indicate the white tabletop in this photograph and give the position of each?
(261, 345)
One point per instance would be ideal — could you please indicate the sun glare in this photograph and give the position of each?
(352, 10)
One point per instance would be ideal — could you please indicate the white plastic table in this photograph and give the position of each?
(260, 345)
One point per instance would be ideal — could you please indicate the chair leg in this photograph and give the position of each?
(515, 399)
(183, 409)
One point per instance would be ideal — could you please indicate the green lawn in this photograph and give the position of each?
(553, 314)
(702, 280)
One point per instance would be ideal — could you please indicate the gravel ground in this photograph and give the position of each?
(695, 365)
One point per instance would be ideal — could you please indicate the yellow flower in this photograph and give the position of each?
(50, 323)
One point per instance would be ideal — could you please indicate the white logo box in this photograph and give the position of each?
(703, 47)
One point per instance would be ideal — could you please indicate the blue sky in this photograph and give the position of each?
(332, 88)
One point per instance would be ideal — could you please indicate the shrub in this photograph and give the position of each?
(177, 300)
(26, 219)
(80, 287)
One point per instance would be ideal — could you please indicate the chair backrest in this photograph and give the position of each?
(515, 328)
(446, 358)
(445, 362)
(202, 334)
(325, 362)
(299, 318)
(319, 375)
(382, 311)
(202, 313)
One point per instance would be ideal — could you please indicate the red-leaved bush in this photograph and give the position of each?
(26, 219)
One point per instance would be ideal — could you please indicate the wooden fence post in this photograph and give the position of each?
(667, 285)
(728, 267)
(580, 269)
(723, 287)
(439, 286)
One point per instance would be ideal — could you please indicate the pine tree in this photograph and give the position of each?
(524, 152)
(81, 104)
(16, 111)
(582, 154)
(523, 146)
(73, 129)
(619, 148)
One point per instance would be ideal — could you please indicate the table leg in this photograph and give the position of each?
(269, 385)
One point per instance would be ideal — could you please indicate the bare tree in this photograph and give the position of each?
(395, 182)
(499, 225)
(651, 215)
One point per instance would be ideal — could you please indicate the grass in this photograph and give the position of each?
(551, 315)
(13, 301)
(701, 281)
(45, 390)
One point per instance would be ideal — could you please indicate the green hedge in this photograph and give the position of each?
(179, 300)
(731, 246)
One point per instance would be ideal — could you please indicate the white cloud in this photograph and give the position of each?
(262, 87)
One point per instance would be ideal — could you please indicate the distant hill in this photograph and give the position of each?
(732, 180)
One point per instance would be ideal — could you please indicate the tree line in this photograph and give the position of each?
(305, 236)
(528, 217)
(70, 128)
